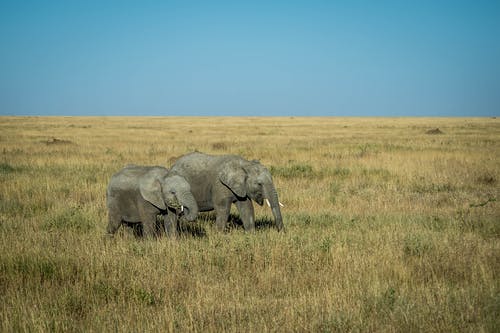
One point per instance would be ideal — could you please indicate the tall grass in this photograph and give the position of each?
(388, 229)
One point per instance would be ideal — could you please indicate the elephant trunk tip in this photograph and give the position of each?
(280, 227)
(189, 214)
(189, 207)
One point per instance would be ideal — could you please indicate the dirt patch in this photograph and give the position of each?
(487, 179)
(219, 146)
(56, 141)
(434, 131)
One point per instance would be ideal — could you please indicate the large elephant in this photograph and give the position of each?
(218, 181)
(140, 193)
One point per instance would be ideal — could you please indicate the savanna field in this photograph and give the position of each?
(392, 225)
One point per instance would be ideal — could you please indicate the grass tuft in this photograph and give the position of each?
(72, 218)
(416, 246)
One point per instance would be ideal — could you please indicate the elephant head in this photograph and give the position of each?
(169, 191)
(253, 180)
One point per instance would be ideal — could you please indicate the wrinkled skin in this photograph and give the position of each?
(218, 181)
(137, 194)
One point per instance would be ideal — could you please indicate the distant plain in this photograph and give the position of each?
(392, 225)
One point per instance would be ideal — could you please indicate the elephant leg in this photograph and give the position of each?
(170, 221)
(149, 226)
(148, 219)
(114, 222)
(245, 208)
(222, 211)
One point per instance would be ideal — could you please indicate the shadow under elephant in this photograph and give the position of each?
(184, 228)
(197, 228)
(235, 222)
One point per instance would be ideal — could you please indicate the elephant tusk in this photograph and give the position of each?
(269, 204)
(182, 208)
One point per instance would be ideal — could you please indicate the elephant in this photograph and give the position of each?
(139, 193)
(217, 181)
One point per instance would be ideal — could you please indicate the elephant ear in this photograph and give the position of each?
(150, 188)
(234, 176)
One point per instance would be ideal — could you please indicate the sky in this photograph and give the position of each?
(250, 58)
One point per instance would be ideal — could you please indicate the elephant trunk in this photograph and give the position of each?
(271, 194)
(187, 200)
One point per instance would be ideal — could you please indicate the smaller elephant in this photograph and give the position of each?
(138, 194)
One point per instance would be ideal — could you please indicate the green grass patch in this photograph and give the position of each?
(37, 269)
(6, 168)
(416, 245)
(341, 173)
(424, 187)
(71, 218)
(298, 170)
(377, 173)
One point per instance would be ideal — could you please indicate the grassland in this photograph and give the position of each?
(389, 229)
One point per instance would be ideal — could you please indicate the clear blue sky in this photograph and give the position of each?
(352, 58)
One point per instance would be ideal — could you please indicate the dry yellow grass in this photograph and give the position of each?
(389, 229)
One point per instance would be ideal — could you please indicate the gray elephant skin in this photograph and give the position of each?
(137, 194)
(218, 181)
